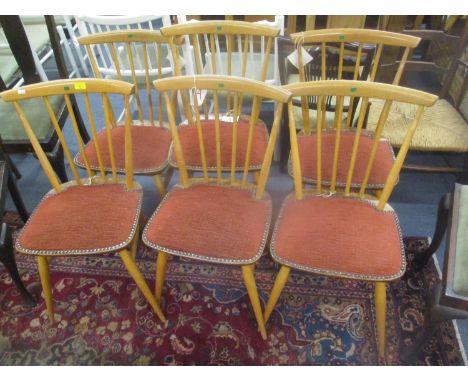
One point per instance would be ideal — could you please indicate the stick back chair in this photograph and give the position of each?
(89, 215)
(233, 48)
(337, 49)
(141, 65)
(341, 233)
(220, 219)
(444, 128)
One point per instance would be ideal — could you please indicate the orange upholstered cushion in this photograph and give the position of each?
(150, 149)
(191, 150)
(308, 156)
(339, 236)
(211, 223)
(82, 220)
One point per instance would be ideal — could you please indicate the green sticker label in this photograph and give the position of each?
(130, 35)
(353, 90)
(221, 85)
(342, 36)
(66, 88)
(219, 28)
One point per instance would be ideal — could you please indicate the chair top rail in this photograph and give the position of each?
(220, 27)
(119, 20)
(123, 35)
(362, 89)
(370, 36)
(67, 86)
(224, 83)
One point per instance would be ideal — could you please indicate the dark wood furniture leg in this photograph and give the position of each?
(8, 260)
(423, 257)
(57, 160)
(16, 197)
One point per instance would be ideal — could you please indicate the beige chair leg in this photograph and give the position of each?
(378, 193)
(280, 281)
(168, 176)
(43, 266)
(249, 280)
(255, 176)
(140, 282)
(381, 314)
(161, 264)
(134, 245)
(158, 181)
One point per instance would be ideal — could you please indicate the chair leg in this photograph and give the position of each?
(378, 193)
(168, 176)
(134, 245)
(255, 176)
(158, 181)
(43, 266)
(381, 314)
(161, 265)
(249, 279)
(280, 281)
(140, 282)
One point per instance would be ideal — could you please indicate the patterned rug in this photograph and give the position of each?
(101, 318)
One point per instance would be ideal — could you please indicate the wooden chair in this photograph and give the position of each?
(233, 48)
(136, 56)
(345, 53)
(343, 233)
(444, 129)
(220, 219)
(91, 215)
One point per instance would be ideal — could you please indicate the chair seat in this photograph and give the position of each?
(213, 223)
(150, 149)
(338, 236)
(383, 162)
(441, 128)
(82, 220)
(191, 150)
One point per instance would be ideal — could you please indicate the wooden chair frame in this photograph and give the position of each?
(237, 87)
(365, 90)
(139, 67)
(341, 39)
(84, 87)
(241, 39)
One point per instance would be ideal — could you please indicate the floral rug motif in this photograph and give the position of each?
(102, 319)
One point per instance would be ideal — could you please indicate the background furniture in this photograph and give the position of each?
(449, 298)
(7, 254)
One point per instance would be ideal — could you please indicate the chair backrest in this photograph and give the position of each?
(135, 56)
(339, 41)
(236, 88)
(227, 47)
(346, 89)
(87, 88)
(439, 54)
(98, 24)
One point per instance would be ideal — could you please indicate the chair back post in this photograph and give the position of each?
(67, 89)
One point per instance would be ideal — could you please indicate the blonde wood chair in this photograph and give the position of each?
(233, 48)
(223, 218)
(89, 215)
(344, 233)
(135, 56)
(327, 44)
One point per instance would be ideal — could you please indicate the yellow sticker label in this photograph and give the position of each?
(80, 86)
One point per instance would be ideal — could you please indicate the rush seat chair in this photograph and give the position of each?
(91, 215)
(222, 218)
(343, 233)
(233, 48)
(135, 56)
